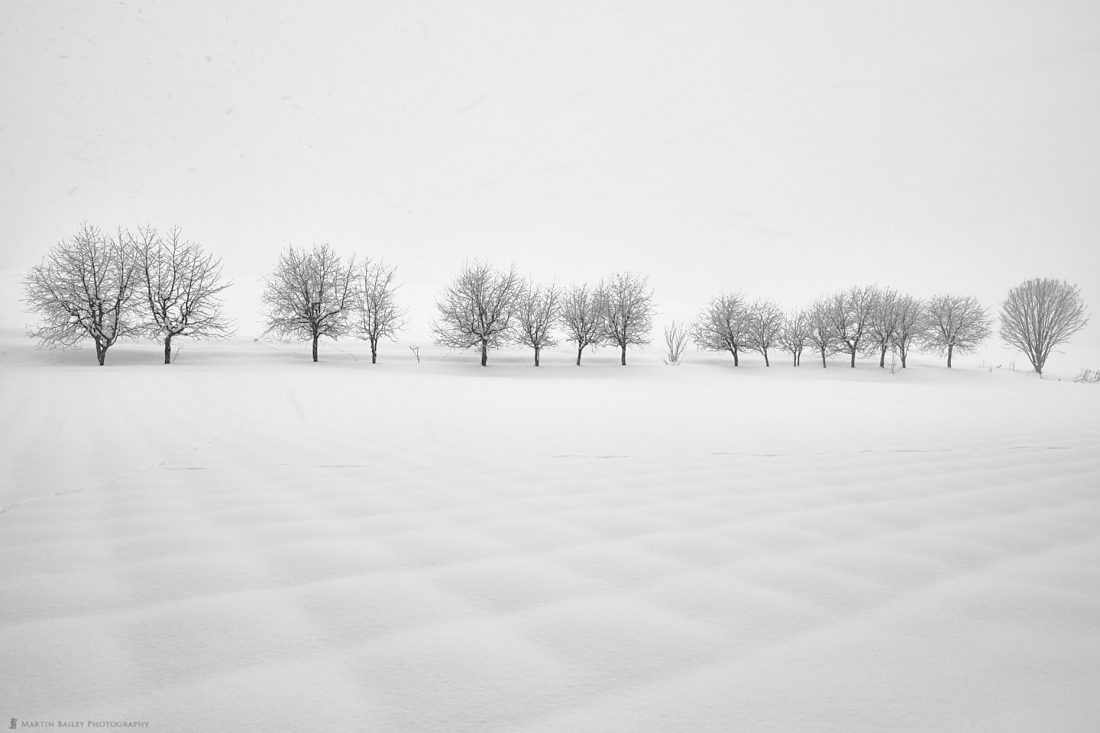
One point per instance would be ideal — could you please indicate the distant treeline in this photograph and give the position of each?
(146, 283)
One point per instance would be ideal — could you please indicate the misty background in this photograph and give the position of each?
(784, 149)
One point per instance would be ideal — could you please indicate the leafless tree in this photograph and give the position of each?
(181, 283)
(85, 288)
(882, 326)
(582, 309)
(377, 315)
(910, 324)
(764, 327)
(956, 324)
(820, 330)
(478, 309)
(850, 316)
(723, 325)
(310, 294)
(627, 311)
(795, 334)
(676, 341)
(1040, 314)
(537, 315)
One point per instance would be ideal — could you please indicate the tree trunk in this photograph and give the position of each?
(823, 364)
(882, 358)
(374, 351)
(623, 360)
(579, 350)
(903, 354)
(315, 337)
(734, 350)
(853, 357)
(100, 353)
(766, 362)
(536, 356)
(168, 349)
(484, 352)
(950, 348)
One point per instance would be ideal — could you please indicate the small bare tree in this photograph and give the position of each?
(181, 284)
(882, 326)
(310, 294)
(820, 330)
(850, 316)
(377, 315)
(764, 327)
(582, 310)
(676, 341)
(910, 324)
(723, 325)
(956, 324)
(1040, 314)
(85, 288)
(536, 316)
(478, 309)
(795, 334)
(627, 311)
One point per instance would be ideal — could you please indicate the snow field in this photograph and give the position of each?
(248, 541)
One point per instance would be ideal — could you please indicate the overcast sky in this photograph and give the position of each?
(784, 149)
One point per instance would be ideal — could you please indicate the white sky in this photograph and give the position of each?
(782, 148)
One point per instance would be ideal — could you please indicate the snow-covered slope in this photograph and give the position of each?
(248, 541)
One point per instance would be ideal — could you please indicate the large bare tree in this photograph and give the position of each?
(310, 294)
(537, 315)
(627, 311)
(956, 324)
(478, 309)
(850, 314)
(795, 334)
(909, 326)
(882, 326)
(723, 325)
(377, 315)
(85, 288)
(582, 312)
(1040, 314)
(181, 283)
(820, 331)
(764, 327)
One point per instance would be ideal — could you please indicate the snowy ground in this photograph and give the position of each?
(248, 541)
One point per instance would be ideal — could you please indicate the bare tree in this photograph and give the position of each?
(582, 310)
(536, 316)
(723, 325)
(765, 323)
(181, 283)
(910, 324)
(882, 326)
(850, 315)
(478, 309)
(676, 340)
(627, 311)
(820, 330)
(84, 288)
(310, 294)
(795, 334)
(1040, 314)
(956, 324)
(377, 315)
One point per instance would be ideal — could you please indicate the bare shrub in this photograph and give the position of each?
(676, 341)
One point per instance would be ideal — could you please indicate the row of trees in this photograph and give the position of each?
(108, 286)
(105, 287)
